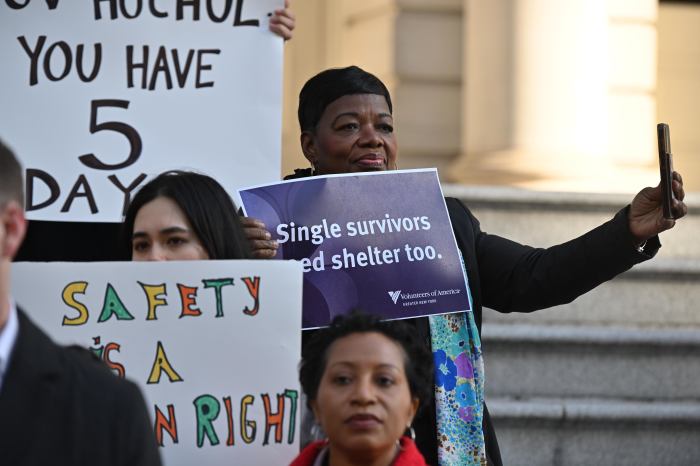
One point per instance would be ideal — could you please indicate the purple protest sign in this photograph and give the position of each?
(381, 242)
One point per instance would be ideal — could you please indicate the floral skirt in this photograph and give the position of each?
(459, 388)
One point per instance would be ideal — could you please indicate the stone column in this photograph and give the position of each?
(559, 95)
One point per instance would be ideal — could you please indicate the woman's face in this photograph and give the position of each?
(364, 402)
(355, 134)
(163, 233)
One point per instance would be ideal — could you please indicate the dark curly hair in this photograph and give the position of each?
(332, 84)
(418, 361)
(207, 206)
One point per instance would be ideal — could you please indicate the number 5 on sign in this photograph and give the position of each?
(90, 160)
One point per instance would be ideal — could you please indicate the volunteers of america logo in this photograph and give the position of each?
(394, 295)
(420, 298)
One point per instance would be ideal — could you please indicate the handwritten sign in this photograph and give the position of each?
(381, 242)
(214, 346)
(97, 96)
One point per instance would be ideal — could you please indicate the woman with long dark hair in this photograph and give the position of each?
(183, 215)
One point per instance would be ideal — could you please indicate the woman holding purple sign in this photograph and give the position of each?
(347, 126)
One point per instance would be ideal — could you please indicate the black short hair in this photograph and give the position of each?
(418, 361)
(11, 188)
(331, 84)
(207, 206)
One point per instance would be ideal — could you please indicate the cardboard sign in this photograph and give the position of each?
(214, 346)
(98, 96)
(382, 242)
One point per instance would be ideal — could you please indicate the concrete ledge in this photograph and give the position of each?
(517, 199)
(592, 409)
(543, 219)
(587, 361)
(556, 432)
(590, 335)
(642, 297)
(665, 269)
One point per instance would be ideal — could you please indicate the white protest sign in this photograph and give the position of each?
(98, 95)
(214, 345)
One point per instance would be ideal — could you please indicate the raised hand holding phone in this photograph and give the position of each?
(666, 169)
(654, 210)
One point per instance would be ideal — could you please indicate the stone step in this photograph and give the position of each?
(657, 293)
(574, 431)
(546, 218)
(584, 361)
(612, 378)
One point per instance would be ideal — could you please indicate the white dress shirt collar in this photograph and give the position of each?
(8, 337)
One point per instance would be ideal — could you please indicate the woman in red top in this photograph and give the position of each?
(364, 380)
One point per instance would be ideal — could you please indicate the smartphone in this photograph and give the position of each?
(665, 168)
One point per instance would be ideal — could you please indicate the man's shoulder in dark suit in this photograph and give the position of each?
(60, 405)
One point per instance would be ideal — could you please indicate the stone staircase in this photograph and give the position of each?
(612, 378)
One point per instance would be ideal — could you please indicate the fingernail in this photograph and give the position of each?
(267, 235)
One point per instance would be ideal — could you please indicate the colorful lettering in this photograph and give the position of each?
(207, 408)
(217, 284)
(113, 306)
(115, 366)
(69, 293)
(229, 418)
(188, 294)
(245, 423)
(293, 395)
(161, 364)
(154, 295)
(253, 286)
(275, 420)
(168, 424)
(97, 350)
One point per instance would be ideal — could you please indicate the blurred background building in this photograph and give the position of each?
(560, 97)
(542, 94)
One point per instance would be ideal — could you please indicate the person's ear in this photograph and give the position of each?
(308, 147)
(14, 225)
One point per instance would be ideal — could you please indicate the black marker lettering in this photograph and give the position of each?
(95, 67)
(224, 15)
(33, 56)
(131, 65)
(237, 20)
(48, 180)
(154, 11)
(201, 67)
(181, 4)
(76, 192)
(112, 8)
(128, 189)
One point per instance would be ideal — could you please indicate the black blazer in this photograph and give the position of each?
(61, 406)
